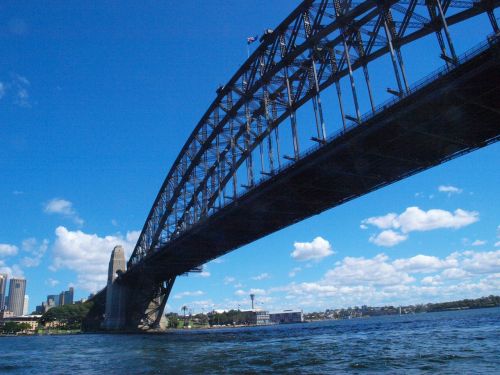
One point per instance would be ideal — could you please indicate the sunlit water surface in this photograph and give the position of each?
(459, 342)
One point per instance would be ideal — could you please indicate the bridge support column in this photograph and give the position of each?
(116, 294)
(146, 304)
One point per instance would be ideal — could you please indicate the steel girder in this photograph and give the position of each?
(317, 45)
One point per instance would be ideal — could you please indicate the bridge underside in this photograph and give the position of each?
(455, 114)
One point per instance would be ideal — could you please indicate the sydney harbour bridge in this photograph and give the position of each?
(264, 156)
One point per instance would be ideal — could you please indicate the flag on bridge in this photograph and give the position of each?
(252, 39)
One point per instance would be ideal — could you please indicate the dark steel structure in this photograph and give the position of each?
(232, 181)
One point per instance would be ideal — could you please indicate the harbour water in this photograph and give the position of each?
(457, 342)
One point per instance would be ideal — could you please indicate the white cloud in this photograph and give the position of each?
(18, 89)
(257, 291)
(383, 222)
(52, 282)
(217, 261)
(455, 273)
(423, 263)
(204, 274)
(36, 250)
(448, 189)
(7, 250)
(59, 206)
(189, 294)
(20, 86)
(431, 280)
(14, 271)
(374, 271)
(480, 262)
(388, 238)
(63, 207)
(29, 244)
(262, 276)
(88, 255)
(204, 305)
(380, 280)
(478, 243)
(230, 280)
(414, 219)
(294, 271)
(316, 250)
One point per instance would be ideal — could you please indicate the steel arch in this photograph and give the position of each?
(317, 45)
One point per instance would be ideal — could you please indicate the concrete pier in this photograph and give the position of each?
(116, 294)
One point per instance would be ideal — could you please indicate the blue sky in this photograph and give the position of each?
(97, 100)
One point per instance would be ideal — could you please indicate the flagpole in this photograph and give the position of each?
(248, 50)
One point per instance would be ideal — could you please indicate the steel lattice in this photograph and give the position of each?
(319, 44)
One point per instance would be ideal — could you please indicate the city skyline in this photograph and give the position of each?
(17, 301)
(87, 139)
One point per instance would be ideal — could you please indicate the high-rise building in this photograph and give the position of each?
(26, 304)
(17, 290)
(53, 300)
(66, 297)
(3, 287)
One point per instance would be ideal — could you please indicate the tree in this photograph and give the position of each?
(68, 316)
(184, 308)
(173, 320)
(14, 327)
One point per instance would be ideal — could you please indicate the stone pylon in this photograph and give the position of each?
(116, 294)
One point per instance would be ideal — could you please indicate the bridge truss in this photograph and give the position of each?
(236, 145)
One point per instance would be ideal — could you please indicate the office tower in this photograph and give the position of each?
(68, 296)
(53, 300)
(3, 287)
(17, 290)
(26, 305)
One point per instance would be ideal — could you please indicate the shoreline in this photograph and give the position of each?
(210, 328)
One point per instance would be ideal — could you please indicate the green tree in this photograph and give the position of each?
(68, 316)
(14, 327)
(173, 320)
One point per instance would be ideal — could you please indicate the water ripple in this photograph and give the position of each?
(447, 343)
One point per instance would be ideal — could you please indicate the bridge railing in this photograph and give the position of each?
(492, 40)
(318, 45)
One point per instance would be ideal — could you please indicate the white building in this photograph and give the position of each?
(26, 305)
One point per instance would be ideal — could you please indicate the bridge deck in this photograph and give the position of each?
(454, 114)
